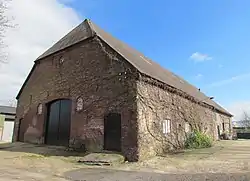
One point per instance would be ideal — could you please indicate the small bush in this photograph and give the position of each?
(198, 140)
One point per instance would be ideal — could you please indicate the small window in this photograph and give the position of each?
(166, 126)
(79, 104)
(61, 60)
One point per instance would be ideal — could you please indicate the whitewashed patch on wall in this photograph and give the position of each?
(39, 109)
(79, 104)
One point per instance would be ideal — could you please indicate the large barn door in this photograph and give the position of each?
(112, 132)
(64, 123)
(58, 124)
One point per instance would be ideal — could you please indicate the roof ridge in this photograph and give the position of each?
(70, 39)
(91, 28)
(143, 64)
(152, 68)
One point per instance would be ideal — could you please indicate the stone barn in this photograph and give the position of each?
(91, 91)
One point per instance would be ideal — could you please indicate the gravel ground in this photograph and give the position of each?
(228, 160)
(114, 175)
(224, 157)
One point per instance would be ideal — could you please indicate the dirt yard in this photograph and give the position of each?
(225, 157)
(21, 161)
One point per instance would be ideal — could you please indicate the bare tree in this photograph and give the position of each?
(245, 121)
(4, 25)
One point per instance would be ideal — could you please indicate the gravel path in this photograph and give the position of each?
(114, 175)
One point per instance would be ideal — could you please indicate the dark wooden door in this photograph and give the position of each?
(218, 130)
(58, 124)
(112, 132)
(64, 122)
(20, 133)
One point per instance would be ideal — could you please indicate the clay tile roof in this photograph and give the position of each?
(145, 65)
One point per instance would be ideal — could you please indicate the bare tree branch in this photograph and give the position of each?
(245, 121)
(4, 25)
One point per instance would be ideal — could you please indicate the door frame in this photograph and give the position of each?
(47, 114)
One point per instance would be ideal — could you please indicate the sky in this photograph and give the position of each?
(206, 42)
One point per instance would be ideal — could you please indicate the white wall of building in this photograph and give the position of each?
(8, 131)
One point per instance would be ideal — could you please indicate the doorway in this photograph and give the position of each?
(112, 132)
(58, 123)
(21, 128)
(218, 130)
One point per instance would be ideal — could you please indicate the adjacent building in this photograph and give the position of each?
(7, 120)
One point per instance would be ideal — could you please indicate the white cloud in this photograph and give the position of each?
(238, 108)
(230, 80)
(198, 76)
(200, 57)
(40, 24)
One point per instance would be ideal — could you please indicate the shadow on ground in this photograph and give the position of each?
(94, 174)
(104, 158)
(44, 150)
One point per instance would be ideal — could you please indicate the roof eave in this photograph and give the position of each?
(26, 80)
